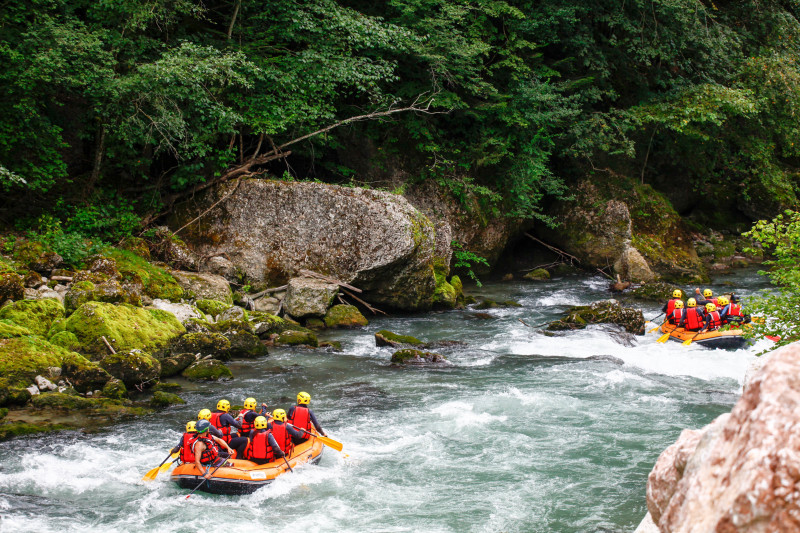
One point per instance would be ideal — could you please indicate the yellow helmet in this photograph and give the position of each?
(223, 405)
(204, 414)
(250, 403)
(303, 398)
(722, 301)
(260, 422)
(190, 426)
(677, 293)
(707, 293)
(711, 307)
(279, 415)
(691, 302)
(679, 304)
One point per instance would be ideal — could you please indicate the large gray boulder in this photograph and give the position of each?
(204, 286)
(272, 229)
(309, 297)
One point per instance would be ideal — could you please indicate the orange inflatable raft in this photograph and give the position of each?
(245, 476)
(731, 339)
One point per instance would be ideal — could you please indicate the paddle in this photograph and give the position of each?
(658, 315)
(663, 338)
(327, 441)
(658, 326)
(206, 479)
(687, 343)
(287, 464)
(151, 474)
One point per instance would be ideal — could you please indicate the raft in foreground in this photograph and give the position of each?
(244, 476)
(731, 339)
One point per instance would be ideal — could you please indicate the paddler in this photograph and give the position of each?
(692, 318)
(707, 298)
(262, 447)
(186, 443)
(206, 449)
(669, 307)
(205, 414)
(223, 421)
(284, 435)
(712, 319)
(302, 417)
(248, 414)
(678, 313)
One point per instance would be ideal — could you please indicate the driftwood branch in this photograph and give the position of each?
(113, 351)
(312, 274)
(61, 278)
(258, 295)
(373, 310)
(562, 253)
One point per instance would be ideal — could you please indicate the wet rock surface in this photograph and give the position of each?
(602, 312)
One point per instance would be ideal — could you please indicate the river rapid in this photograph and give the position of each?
(523, 433)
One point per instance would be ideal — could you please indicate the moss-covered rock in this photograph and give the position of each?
(32, 279)
(207, 370)
(66, 339)
(233, 313)
(165, 399)
(78, 294)
(538, 274)
(212, 307)
(387, 338)
(112, 291)
(655, 291)
(265, 324)
(245, 344)
(134, 368)
(167, 387)
(35, 315)
(297, 338)
(9, 330)
(334, 346)
(344, 316)
(410, 356)
(35, 256)
(12, 286)
(213, 344)
(9, 430)
(157, 282)
(124, 326)
(176, 363)
(603, 312)
(444, 295)
(195, 325)
(115, 389)
(204, 286)
(315, 323)
(59, 400)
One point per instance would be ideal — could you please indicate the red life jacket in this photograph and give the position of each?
(716, 321)
(187, 450)
(211, 453)
(301, 419)
(677, 314)
(671, 306)
(226, 430)
(282, 437)
(734, 310)
(694, 320)
(246, 426)
(259, 447)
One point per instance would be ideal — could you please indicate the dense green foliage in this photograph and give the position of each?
(781, 311)
(112, 105)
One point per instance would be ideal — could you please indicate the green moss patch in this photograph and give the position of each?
(10, 330)
(386, 338)
(297, 338)
(207, 370)
(35, 315)
(157, 282)
(345, 316)
(165, 399)
(212, 307)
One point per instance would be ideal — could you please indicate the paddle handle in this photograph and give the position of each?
(206, 479)
(287, 464)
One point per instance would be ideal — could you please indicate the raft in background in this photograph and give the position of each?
(731, 339)
(245, 476)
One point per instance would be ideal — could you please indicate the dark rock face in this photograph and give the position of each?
(410, 356)
(176, 363)
(603, 312)
(134, 368)
(272, 229)
(213, 344)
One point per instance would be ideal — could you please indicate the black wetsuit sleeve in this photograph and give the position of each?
(274, 444)
(664, 309)
(251, 416)
(294, 433)
(179, 446)
(228, 420)
(314, 421)
(290, 414)
(214, 431)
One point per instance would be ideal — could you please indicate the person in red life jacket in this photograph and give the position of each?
(712, 319)
(669, 307)
(247, 416)
(736, 310)
(692, 317)
(206, 449)
(302, 417)
(185, 444)
(707, 298)
(677, 314)
(284, 435)
(262, 447)
(205, 414)
(223, 421)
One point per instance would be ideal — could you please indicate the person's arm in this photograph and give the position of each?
(664, 309)
(293, 432)
(264, 409)
(214, 432)
(177, 448)
(276, 450)
(228, 420)
(316, 424)
(223, 443)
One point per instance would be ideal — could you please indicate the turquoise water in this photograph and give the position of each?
(522, 432)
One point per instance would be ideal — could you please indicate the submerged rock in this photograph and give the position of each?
(207, 370)
(655, 291)
(272, 229)
(344, 316)
(741, 472)
(387, 338)
(602, 312)
(410, 356)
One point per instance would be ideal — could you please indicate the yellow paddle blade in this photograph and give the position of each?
(663, 338)
(655, 328)
(688, 342)
(336, 445)
(168, 464)
(151, 474)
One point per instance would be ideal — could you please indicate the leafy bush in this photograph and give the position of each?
(464, 259)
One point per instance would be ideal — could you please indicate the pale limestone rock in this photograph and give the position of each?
(183, 312)
(43, 383)
(632, 266)
(309, 297)
(204, 286)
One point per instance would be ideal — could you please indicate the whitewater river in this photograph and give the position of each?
(523, 432)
